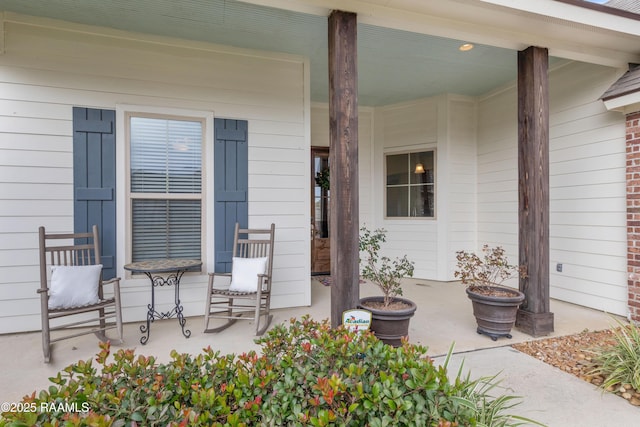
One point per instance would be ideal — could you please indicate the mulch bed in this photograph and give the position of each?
(575, 354)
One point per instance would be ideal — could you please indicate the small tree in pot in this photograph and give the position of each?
(494, 305)
(390, 314)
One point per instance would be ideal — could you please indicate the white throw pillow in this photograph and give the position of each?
(244, 273)
(74, 286)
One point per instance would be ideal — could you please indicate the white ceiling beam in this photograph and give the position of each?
(568, 12)
(495, 23)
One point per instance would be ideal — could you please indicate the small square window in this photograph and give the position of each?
(410, 185)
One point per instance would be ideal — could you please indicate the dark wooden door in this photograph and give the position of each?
(320, 242)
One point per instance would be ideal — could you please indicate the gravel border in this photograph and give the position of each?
(575, 354)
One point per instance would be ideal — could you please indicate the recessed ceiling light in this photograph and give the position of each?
(466, 47)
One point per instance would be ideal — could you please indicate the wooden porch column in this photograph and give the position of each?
(534, 317)
(343, 163)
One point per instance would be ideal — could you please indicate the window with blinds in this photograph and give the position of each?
(166, 187)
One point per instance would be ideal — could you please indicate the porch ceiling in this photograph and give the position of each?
(393, 65)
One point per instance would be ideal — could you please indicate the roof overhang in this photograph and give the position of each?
(624, 94)
(567, 30)
(625, 104)
(407, 49)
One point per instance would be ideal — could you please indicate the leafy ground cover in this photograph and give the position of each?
(306, 374)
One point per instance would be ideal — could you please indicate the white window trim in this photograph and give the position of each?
(407, 150)
(123, 224)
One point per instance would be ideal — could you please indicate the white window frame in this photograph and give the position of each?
(386, 186)
(124, 215)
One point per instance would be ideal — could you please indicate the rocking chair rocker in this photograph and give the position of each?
(75, 288)
(249, 291)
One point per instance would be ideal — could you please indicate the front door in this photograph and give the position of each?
(320, 243)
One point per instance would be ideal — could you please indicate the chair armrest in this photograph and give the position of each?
(212, 285)
(116, 284)
(220, 274)
(266, 282)
(108, 282)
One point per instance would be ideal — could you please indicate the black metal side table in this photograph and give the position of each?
(173, 270)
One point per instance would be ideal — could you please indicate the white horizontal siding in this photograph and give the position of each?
(588, 190)
(587, 185)
(415, 239)
(459, 218)
(447, 124)
(498, 172)
(410, 126)
(48, 67)
(320, 132)
(365, 165)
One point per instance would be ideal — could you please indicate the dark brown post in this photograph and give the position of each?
(534, 317)
(343, 163)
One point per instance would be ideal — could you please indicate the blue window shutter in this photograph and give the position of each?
(94, 179)
(231, 184)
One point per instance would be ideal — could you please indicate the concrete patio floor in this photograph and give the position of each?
(443, 318)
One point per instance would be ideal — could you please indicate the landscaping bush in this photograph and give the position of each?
(620, 364)
(306, 374)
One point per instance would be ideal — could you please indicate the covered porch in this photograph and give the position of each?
(471, 123)
(436, 325)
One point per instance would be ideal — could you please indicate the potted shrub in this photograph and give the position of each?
(494, 306)
(390, 314)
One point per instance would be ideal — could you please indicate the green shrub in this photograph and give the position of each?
(307, 374)
(620, 364)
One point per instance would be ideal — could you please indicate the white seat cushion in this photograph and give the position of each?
(74, 286)
(244, 273)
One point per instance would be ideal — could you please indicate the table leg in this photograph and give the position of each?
(152, 314)
(151, 310)
(181, 320)
(146, 329)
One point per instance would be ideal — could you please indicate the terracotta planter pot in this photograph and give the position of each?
(496, 315)
(389, 326)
